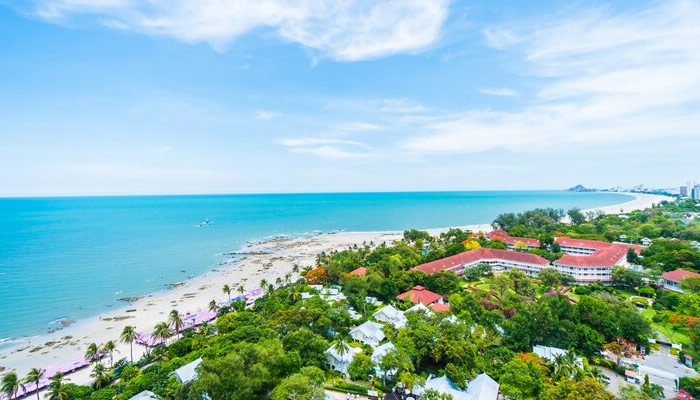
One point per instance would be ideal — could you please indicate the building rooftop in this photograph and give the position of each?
(362, 271)
(419, 294)
(188, 372)
(501, 235)
(472, 256)
(679, 274)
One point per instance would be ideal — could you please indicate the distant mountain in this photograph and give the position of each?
(580, 188)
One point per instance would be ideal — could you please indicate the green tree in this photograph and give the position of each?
(10, 385)
(161, 332)
(305, 385)
(550, 277)
(227, 289)
(92, 353)
(522, 380)
(576, 216)
(56, 389)
(395, 360)
(34, 376)
(175, 321)
(569, 389)
(109, 347)
(360, 367)
(129, 335)
(100, 375)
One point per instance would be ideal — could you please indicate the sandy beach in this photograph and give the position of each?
(263, 260)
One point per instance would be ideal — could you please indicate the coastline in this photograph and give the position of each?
(267, 260)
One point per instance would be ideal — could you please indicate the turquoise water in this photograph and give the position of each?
(75, 257)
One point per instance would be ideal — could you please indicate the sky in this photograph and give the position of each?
(101, 97)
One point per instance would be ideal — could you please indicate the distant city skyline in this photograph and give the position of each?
(114, 97)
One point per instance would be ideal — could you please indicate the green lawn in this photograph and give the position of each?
(679, 336)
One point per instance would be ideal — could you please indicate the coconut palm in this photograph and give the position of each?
(92, 353)
(213, 307)
(109, 348)
(10, 385)
(227, 290)
(598, 375)
(34, 376)
(287, 278)
(175, 320)
(278, 281)
(294, 296)
(101, 377)
(57, 390)
(240, 288)
(263, 283)
(129, 335)
(342, 347)
(161, 332)
(295, 268)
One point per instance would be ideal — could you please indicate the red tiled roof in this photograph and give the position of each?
(472, 256)
(500, 234)
(590, 244)
(362, 271)
(440, 307)
(679, 274)
(419, 294)
(606, 255)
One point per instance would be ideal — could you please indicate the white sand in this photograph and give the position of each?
(268, 260)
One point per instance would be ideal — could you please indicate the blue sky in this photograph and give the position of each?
(215, 96)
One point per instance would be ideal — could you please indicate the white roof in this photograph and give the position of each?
(483, 387)
(145, 395)
(345, 358)
(370, 329)
(548, 353)
(390, 312)
(452, 318)
(187, 372)
(380, 351)
(420, 307)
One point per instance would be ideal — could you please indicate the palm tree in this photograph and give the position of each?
(278, 281)
(101, 377)
(128, 335)
(10, 385)
(204, 329)
(110, 347)
(57, 390)
(295, 268)
(294, 296)
(213, 307)
(161, 332)
(175, 320)
(287, 278)
(227, 290)
(92, 353)
(241, 288)
(342, 347)
(598, 375)
(34, 376)
(263, 283)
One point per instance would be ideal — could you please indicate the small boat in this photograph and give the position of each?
(205, 223)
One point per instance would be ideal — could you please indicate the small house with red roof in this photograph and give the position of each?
(419, 294)
(440, 307)
(672, 280)
(362, 271)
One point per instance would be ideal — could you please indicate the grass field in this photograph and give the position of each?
(679, 336)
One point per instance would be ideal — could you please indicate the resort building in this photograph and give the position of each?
(419, 294)
(368, 333)
(483, 387)
(188, 372)
(551, 353)
(392, 316)
(339, 362)
(499, 260)
(440, 307)
(145, 395)
(672, 280)
(378, 354)
(502, 236)
(584, 260)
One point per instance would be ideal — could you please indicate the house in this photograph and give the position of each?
(672, 280)
(353, 314)
(419, 294)
(631, 376)
(145, 395)
(188, 372)
(392, 316)
(362, 271)
(645, 241)
(420, 308)
(381, 351)
(623, 238)
(372, 300)
(483, 387)
(551, 353)
(339, 362)
(368, 333)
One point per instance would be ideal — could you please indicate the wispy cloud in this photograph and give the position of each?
(327, 148)
(164, 149)
(357, 127)
(311, 141)
(266, 115)
(606, 79)
(499, 92)
(332, 152)
(348, 30)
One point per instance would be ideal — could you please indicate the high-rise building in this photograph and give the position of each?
(684, 190)
(695, 193)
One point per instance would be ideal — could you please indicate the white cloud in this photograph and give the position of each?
(298, 142)
(333, 152)
(498, 92)
(605, 79)
(345, 30)
(357, 127)
(266, 115)
(163, 149)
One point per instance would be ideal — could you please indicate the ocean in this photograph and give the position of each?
(73, 257)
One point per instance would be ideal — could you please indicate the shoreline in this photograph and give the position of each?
(261, 259)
